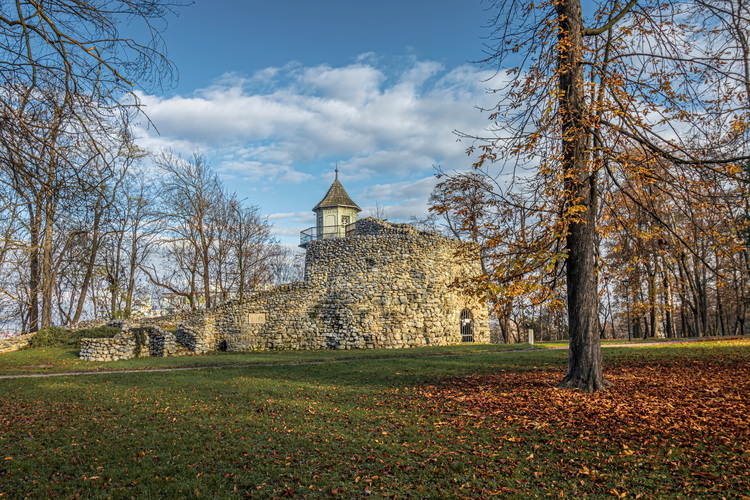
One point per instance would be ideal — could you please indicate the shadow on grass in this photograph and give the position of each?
(53, 360)
(471, 426)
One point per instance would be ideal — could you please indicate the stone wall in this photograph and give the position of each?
(390, 286)
(132, 342)
(15, 342)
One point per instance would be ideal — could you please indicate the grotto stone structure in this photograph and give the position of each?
(383, 286)
(368, 284)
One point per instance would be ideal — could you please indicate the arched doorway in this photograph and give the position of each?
(467, 326)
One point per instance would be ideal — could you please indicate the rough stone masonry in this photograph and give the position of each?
(388, 286)
(385, 286)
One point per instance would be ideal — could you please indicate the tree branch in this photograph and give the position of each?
(612, 21)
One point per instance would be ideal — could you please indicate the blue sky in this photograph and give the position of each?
(276, 93)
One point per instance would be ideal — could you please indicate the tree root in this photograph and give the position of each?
(586, 385)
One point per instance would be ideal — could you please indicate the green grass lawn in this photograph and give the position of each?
(63, 360)
(633, 342)
(479, 423)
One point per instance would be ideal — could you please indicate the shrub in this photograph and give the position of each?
(100, 332)
(54, 336)
(51, 336)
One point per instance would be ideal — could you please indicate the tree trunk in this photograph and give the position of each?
(34, 285)
(585, 355)
(132, 268)
(636, 327)
(721, 327)
(653, 308)
(669, 327)
(90, 265)
(48, 270)
(115, 275)
(204, 253)
(702, 298)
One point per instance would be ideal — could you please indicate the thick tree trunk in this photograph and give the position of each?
(722, 325)
(701, 299)
(242, 271)
(636, 327)
(505, 328)
(585, 355)
(205, 254)
(114, 276)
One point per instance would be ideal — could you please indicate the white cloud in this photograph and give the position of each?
(355, 84)
(385, 163)
(275, 136)
(302, 217)
(419, 189)
(304, 115)
(401, 200)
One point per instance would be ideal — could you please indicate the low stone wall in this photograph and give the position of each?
(15, 343)
(376, 227)
(132, 342)
(198, 334)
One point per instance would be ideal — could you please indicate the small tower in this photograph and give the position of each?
(333, 214)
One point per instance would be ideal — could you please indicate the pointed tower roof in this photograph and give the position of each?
(336, 197)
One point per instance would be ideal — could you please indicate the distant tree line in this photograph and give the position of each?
(89, 222)
(612, 180)
(90, 239)
(667, 266)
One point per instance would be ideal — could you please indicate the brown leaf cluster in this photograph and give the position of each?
(686, 416)
(679, 399)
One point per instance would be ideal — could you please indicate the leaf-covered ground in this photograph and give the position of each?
(479, 425)
(666, 428)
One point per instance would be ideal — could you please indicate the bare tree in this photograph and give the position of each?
(189, 193)
(252, 249)
(129, 243)
(77, 49)
(216, 246)
(67, 76)
(287, 265)
(13, 295)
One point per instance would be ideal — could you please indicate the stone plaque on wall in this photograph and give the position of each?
(256, 318)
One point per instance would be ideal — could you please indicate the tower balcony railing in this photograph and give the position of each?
(325, 233)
